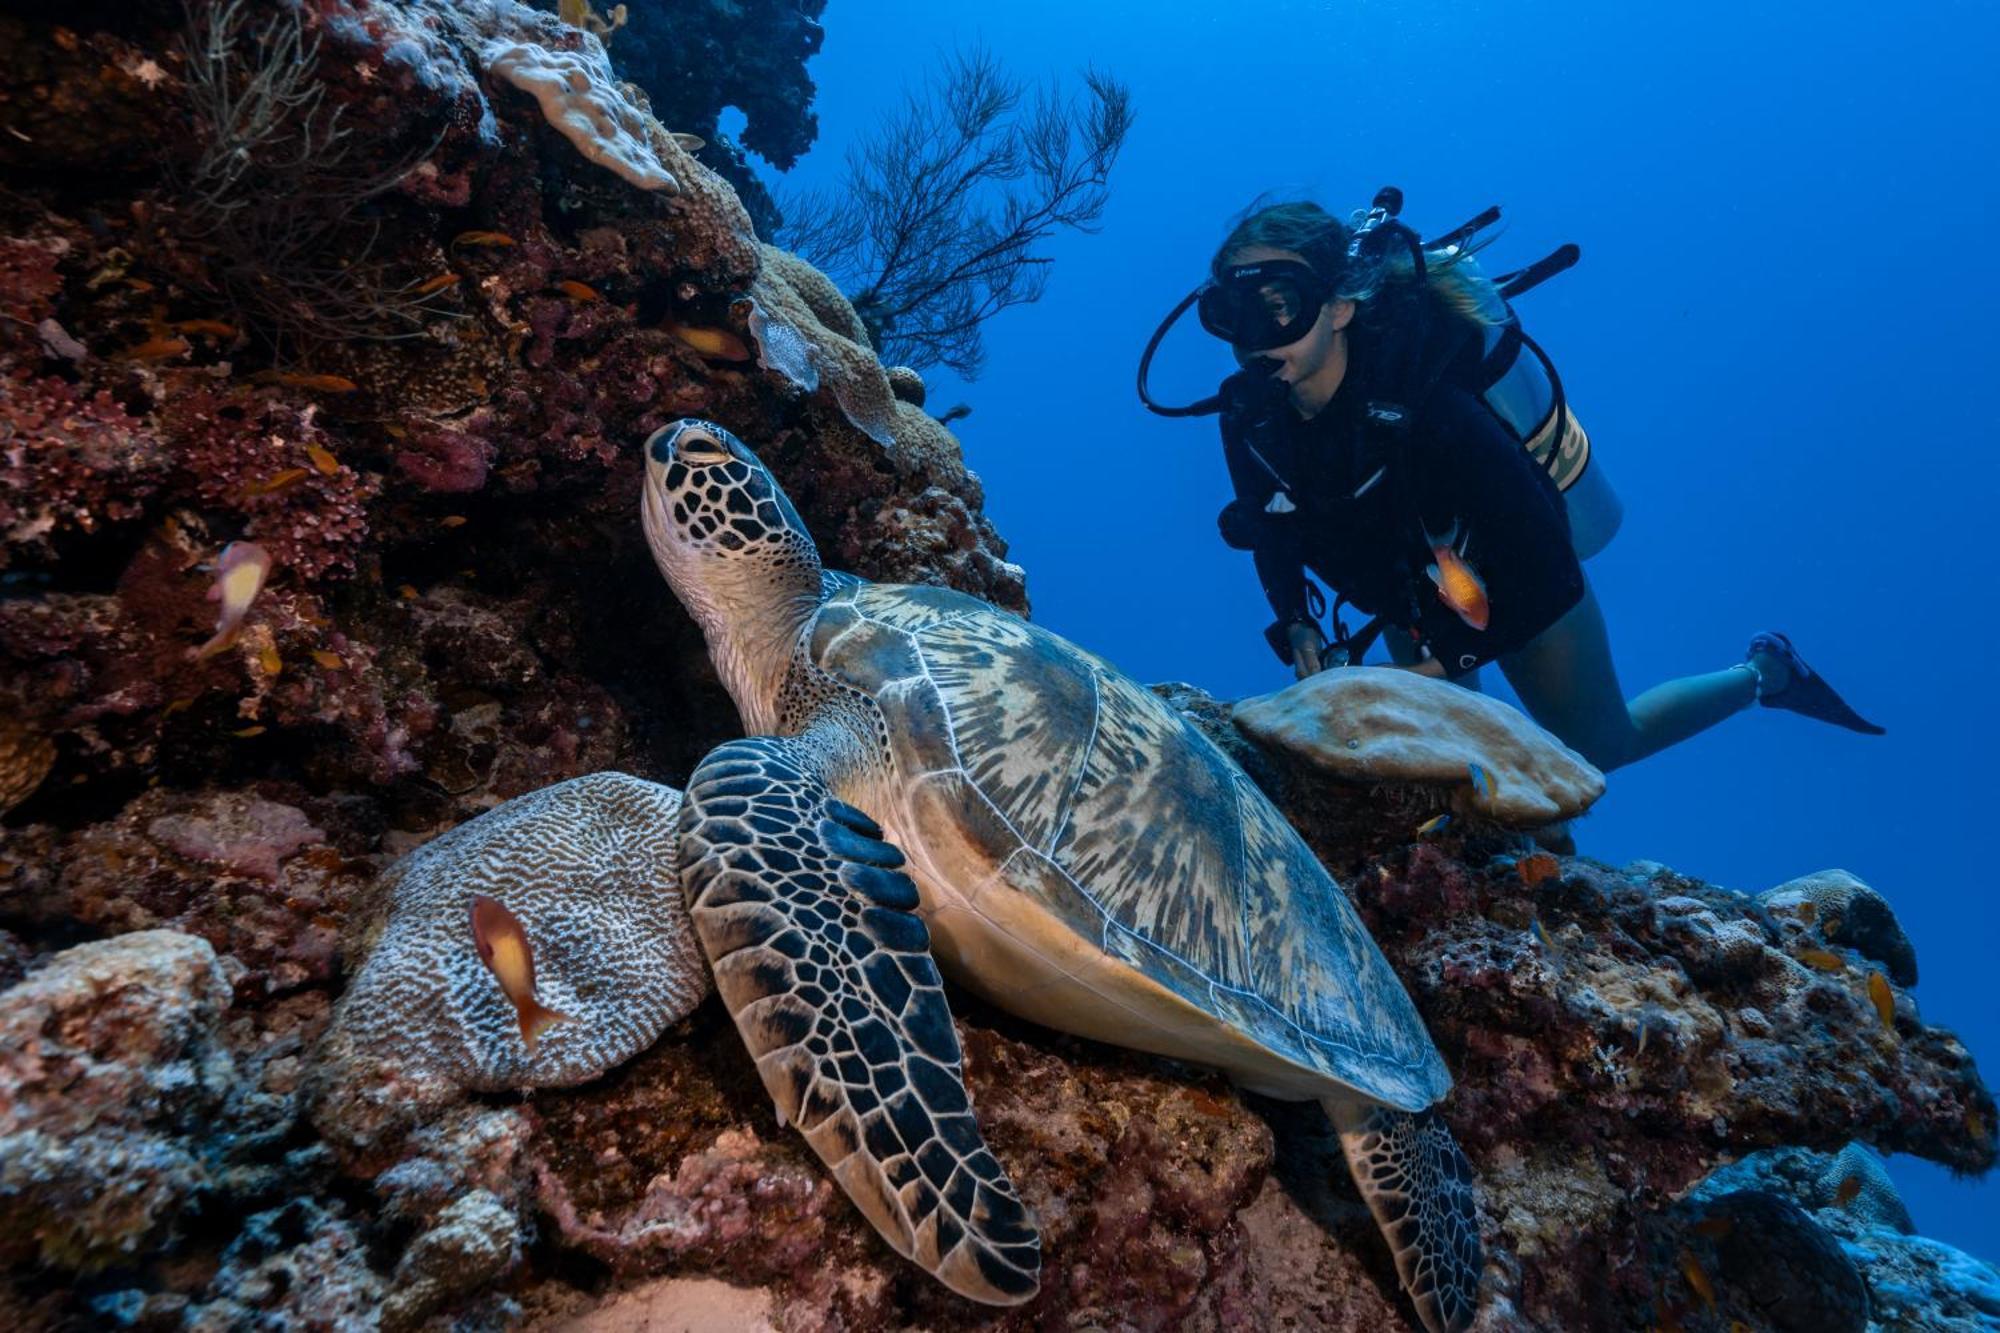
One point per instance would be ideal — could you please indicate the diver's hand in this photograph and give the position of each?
(1307, 645)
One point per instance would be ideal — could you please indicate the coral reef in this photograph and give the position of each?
(198, 857)
(1850, 913)
(1838, 1228)
(112, 1064)
(1381, 725)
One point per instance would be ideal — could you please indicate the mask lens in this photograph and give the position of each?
(1261, 306)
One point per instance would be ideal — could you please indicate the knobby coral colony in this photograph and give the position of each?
(328, 334)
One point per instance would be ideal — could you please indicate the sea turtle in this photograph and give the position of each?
(927, 777)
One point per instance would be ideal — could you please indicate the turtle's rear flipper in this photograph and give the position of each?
(820, 957)
(1419, 1187)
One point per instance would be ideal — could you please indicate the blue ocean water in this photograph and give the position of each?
(1781, 338)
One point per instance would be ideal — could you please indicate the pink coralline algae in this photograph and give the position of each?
(267, 462)
(70, 461)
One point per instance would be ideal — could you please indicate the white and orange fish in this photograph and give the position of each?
(239, 577)
(1458, 586)
(503, 946)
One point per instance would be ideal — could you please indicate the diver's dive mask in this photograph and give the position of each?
(1256, 307)
(1252, 307)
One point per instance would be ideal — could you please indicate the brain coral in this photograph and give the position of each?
(587, 866)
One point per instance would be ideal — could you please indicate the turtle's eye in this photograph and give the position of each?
(696, 446)
(690, 442)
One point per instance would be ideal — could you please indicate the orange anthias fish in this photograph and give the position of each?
(1847, 1191)
(1825, 960)
(1884, 1001)
(1697, 1278)
(483, 238)
(718, 343)
(239, 577)
(158, 349)
(503, 947)
(1458, 587)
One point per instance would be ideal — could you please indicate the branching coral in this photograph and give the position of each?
(269, 462)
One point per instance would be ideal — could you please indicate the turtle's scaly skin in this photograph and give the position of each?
(1023, 764)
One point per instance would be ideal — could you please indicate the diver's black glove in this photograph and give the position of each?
(1240, 524)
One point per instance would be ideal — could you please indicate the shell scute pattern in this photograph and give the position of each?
(1163, 853)
(588, 868)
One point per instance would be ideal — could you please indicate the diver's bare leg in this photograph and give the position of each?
(1569, 684)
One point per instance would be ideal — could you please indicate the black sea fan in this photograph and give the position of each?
(934, 226)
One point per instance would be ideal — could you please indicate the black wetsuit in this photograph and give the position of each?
(1453, 470)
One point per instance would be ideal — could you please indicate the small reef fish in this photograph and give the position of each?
(1541, 934)
(1483, 785)
(290, 477)
(582, 291)
(323, 459)
(718, 343)
(1823, 959)
(1458, 587)
(437, 284)
(269, 662)
(1539, 868)
(239, 577)
(503, 947)
(331, 661)
(1884, 1001)
(158, 349)
(1845, 1192)
(1691, 1269)
(1435, 824)
(315, 383)
(452, 521)
(1807, 911)
(689, 143)
(491, 239)
(214, 328)
(245, 733)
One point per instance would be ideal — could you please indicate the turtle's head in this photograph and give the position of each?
(734, 549)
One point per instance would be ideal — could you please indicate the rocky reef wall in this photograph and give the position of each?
(408, 346)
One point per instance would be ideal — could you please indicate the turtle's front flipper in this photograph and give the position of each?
(819, 955)
(1419, 1187)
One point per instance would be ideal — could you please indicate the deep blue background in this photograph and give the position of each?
(1781, 338)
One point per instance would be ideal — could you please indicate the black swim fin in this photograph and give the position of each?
(1808, 692)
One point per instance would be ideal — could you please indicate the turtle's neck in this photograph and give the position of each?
(753, 630)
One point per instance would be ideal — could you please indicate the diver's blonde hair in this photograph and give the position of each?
(1304, 228)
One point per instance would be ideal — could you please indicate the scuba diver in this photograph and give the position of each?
(1393, 430)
